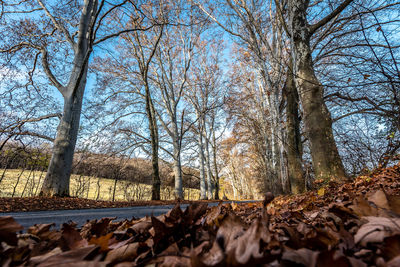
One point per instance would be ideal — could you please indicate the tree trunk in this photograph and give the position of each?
(210, 184)
(177, 163)
(317, 120)
(156, 182)
(203, 187)
(56, 182)
(216, 193)
(178, 175)
(293, 144)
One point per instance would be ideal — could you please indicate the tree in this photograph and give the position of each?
(173, 60)
(70, 30)
(205, 94)
(131, 65)
(317, 119)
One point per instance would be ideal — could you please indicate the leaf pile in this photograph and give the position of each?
(353, 224)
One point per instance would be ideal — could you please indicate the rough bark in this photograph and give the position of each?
(293, 144)
(156, 182)
(56, 182)
(317, 120)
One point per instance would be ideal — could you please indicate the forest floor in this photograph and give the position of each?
(351, 224)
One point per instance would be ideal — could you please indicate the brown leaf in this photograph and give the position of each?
(125, 253)
(70, 257)
(116, 244)
(101, 241)
(71, 239)
(43, 232)
(193, 212)
(361, 207)
(99, 228)
(334, 258)
(391, 247)
(246, 249)
(380, 200)
(231, 228)
(377, 229)
(303, 256)
(42, 258)
(142, 226)
(8, 229)
(395, 262)
(175, 214)
(394, 203)
(39, 229)
(172, 261)
(215, 215)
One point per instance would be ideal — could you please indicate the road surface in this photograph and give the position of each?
(59, 217)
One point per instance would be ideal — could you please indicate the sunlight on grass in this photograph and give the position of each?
(26, 183)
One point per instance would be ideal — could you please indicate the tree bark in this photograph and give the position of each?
(57, 180)
(178, 192)
(210, 184)
(203, 187)
(317, 120)
(293, 144)
(214, 146)
(156, 182)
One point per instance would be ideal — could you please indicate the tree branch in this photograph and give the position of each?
(50, 74)
(313, 28)
(58, 25)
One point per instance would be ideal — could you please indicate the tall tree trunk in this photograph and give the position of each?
(156, 182)
(210, 184)
(293, 144)
(216, 193)
(178, 174)
(203, 186)
(178, 192)
(317, 120)
(57, 180)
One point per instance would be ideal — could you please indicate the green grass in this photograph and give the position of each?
(19, 183)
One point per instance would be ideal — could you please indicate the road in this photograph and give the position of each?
(59, 217)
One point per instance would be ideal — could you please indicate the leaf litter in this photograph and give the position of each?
(352, 224)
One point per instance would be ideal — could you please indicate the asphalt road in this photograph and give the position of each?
(59, 217)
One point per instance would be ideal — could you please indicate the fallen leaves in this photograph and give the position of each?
(353, 224)
(8, 229)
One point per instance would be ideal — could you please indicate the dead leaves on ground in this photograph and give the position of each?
(355, 224)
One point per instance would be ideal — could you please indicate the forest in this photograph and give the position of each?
(232, 98)
(287, 112)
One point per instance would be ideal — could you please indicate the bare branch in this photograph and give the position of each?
(50, 74)
(57, 24)
(126, 31)
(322, 22)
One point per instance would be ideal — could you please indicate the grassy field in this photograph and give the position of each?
(26, 183)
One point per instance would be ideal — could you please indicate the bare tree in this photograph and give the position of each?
(173, 60)
(69, 30)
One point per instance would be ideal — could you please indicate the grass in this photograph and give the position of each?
(26, 183)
